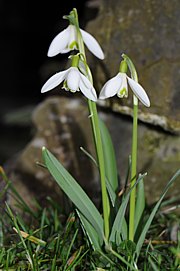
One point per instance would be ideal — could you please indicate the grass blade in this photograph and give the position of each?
(153, 265)
(18, 197)
(74, 191)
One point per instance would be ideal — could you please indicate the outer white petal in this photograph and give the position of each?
(111, 87)
(87, 88)
(86, 81)
(60, 42)
(73, 79)
(139, 92)
(92, 44)
(54, 81)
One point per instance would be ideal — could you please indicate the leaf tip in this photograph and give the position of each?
(43, 149)
(44, 152)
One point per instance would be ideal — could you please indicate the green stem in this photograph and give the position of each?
(133, 171)
(75, 61)
(100, 155)
(98, 143)
(133, 152)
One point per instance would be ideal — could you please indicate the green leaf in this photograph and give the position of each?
(90, 232)
(149, 221)
(74, 191)
(111, 192)
(119, 226)
(140, 205)
(109, 157)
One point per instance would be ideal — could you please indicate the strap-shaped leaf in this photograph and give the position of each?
(109, 157)
(112, 194)
(90, 232)
(74, 191)
(119, 221)
(140, 205)
(110, 190)
(149, 221)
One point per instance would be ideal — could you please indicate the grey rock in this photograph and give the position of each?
(61, 126)
(149, 34)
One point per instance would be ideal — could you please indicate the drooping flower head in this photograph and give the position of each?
(119, 85)
(67, 40)
(73, 79)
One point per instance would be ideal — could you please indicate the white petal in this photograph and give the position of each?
(73, 79)
(86, 81)
(111, 87)
(92, 44)
(139, 91)
(66, 50)
(87, 88)
(54, 81)
(59, 43)
(89, 93)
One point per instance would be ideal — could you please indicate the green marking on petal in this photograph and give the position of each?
(73, 91)
(122, 93)
(73, 45)
(65, 86)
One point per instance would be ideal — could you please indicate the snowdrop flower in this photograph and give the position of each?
(119, 85)
(74, 81)
(66, 41)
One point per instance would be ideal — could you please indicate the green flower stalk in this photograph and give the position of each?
(134, 148)
(78, 78)
(96, 132)
(119, 85)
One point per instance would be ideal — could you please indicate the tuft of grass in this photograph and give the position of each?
(48, 240)
(52, 240)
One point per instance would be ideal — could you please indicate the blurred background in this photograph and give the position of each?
(26, 30)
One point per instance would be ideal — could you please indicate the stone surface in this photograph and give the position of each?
(158, 154)
(150, 35)
(60, 125)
